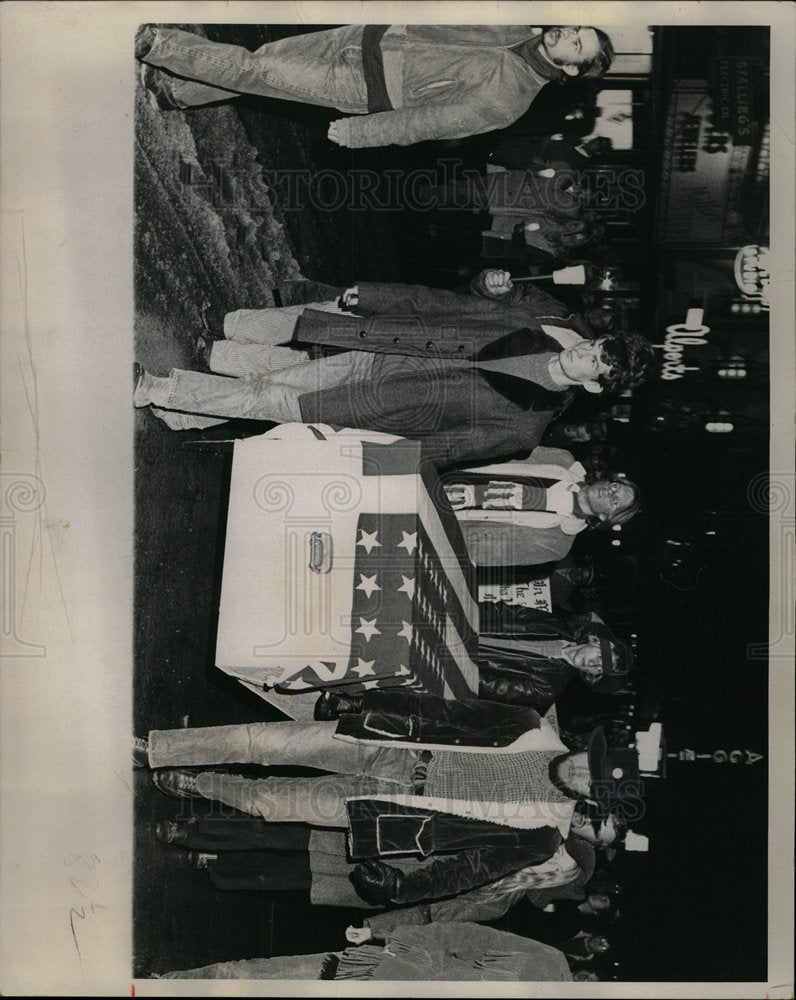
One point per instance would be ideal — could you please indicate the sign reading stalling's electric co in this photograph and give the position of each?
(704, 168)
(691, 333)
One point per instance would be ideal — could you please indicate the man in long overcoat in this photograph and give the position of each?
(473, 378)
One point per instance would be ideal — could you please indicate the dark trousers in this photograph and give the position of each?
(253, 856)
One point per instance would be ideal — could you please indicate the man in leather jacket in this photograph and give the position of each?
(446, 878)
(528, 657)
(412, 774)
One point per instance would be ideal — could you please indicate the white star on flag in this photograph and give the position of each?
(403, 670)
(330, 670)
(406, 631)
(368, 540)
(408, 542)
(408, 586)
(370, 684)
(367, 628)
(363, 667)
(368, 584)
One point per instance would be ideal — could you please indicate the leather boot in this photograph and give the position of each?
(331, 705)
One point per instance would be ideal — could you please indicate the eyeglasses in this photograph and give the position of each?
(613, 492)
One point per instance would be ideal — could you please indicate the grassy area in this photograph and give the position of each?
(205, 229)
(205, 226)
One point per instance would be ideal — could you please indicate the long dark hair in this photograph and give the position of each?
(601, 63)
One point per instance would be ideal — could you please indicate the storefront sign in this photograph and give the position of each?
(691, 333)
(719, 756)
(703, 171)
(733, 93)
(752, 273)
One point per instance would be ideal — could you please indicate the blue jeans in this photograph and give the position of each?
(257, 341)
(323, 67)
(186, 399)
(319, 801)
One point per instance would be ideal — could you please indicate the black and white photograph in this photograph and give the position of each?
(446, 426)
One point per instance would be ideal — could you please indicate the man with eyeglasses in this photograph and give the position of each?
(528, 512)
(528, 657)
(410, 773)
(401, 83)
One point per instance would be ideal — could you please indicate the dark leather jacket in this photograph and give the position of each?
(383, 828)
(519, 677)
(498, 618)
(477, 866)
(399, 716)
(535, 681)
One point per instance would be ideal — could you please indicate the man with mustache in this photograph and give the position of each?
(403, 83)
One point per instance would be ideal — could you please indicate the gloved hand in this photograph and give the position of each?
(376, 882)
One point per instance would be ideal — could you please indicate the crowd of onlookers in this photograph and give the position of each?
(413, 774)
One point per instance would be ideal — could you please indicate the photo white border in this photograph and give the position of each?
(67, 80)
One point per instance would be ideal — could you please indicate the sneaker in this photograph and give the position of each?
(140, 752)
(200, 860)
(155, 83)
(177, 783)
(144, 40)
(138, 386)
(212, 319)
(201, 355)
(197, 860)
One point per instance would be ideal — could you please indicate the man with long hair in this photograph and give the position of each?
(472, 376)
(528, 657)
(410, 773)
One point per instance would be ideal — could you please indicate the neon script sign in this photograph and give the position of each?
(691, 333)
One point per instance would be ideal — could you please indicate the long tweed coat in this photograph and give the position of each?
(422, 386)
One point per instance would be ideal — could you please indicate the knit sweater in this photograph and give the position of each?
(511, 778)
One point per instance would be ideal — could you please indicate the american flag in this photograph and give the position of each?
(396, 605)
(404, 613)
